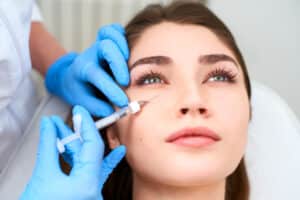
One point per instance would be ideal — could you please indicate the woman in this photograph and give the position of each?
(188, 142)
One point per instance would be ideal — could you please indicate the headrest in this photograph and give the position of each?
(273, 152)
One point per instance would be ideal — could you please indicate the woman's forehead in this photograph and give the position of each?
(173, 39)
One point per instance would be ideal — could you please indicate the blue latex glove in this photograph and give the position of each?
(72, 75)
(89, 171)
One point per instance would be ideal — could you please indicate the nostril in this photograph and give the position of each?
(184, 110)
(202, 110)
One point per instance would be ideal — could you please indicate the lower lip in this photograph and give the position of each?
(194, 141)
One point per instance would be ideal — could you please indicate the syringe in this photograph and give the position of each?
(132, 108)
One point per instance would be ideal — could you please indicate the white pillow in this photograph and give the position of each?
(273, 153)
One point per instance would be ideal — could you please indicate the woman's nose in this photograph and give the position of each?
(193, 102)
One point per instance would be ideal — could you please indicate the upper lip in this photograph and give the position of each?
(190, 132)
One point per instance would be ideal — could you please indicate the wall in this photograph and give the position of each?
(75, 22)
(268, 33)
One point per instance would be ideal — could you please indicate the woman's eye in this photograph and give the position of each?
(221, 75)
(150, 78)
(218, 78)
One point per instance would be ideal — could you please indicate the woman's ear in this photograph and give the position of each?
(112, 137)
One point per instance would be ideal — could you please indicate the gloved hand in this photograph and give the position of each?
(89, 171)
(72, 75)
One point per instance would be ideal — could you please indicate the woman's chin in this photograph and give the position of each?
(185, 168)
(184, 175)
(194, 177)
(189, 180)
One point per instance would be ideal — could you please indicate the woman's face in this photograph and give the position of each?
(193, 131)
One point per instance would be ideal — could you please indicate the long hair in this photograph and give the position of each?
(119, 184)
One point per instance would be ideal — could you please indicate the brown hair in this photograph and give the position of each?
(119, 185)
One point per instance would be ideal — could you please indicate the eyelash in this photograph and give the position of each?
(229, 76)
(148, 75)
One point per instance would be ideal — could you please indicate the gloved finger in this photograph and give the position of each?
(118, 27)
(110, 52)
(47, 156)
(95, 106)
(110, 162)
(85, 96)
(92, 149)
(73, 147)
(116, 33)
(100, 79)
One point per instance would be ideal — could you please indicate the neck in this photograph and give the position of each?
(145, 190)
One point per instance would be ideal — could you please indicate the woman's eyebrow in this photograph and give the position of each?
(158, 60)
(214, 58)
(164, 60)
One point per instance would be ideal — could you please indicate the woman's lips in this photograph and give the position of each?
(193, 137)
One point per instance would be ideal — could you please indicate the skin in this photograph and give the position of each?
(44, 48)
(185, 97)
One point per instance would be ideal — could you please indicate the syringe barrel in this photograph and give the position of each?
(102, 123)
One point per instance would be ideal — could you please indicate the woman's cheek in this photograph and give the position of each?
(229, 99)
(137, 124)
(141, 94)
(230, 108)
(133, 127)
